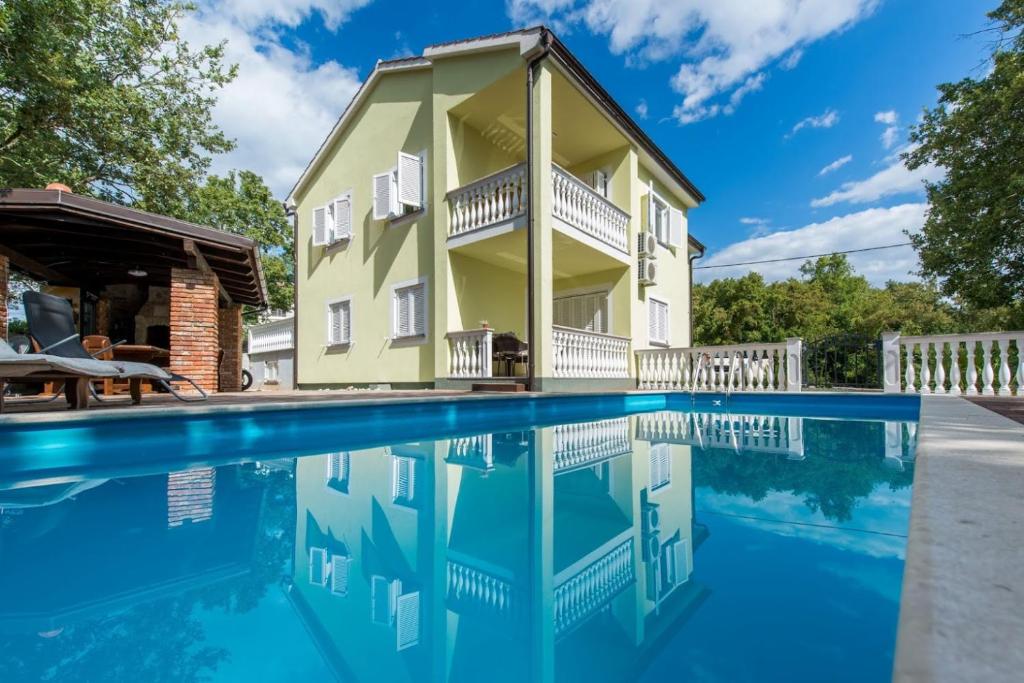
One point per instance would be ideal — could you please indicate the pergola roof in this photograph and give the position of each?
(70, 239)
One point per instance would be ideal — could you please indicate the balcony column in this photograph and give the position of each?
(542, 203)
(194, 326)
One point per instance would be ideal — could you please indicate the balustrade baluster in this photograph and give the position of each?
(910, 389)
(1004, 366)
(987, 373)
(940, 367)
(954, 368)
(926, 373)
(972, 369)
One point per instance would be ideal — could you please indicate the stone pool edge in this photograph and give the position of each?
(962, 603)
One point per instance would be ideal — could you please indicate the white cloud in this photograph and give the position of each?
(836, 165)
(894, 179)
(282, 104)
(753, 220)
(752, 84)
(868, 228)
(891, 133)
(641, 109)
(826, 120)
(720, 43)
(791, 60)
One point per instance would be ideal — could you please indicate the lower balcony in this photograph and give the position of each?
(577, 354)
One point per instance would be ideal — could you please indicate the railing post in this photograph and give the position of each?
(794, 364)
(891, 362)
(486, 360)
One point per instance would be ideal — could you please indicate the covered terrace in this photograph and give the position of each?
(171, 290)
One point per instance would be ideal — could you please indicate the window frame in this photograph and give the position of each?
(651, 300)
(410, 339)
(331, 343)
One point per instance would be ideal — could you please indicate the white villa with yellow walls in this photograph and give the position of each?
(466, 193)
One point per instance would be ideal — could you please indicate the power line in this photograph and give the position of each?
(801, 258)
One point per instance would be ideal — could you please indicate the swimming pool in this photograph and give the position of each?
(608, 538)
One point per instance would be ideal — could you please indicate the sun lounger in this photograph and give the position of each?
(74, 372)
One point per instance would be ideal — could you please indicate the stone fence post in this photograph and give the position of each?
(891, 362)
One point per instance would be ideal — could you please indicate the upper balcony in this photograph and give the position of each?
(497, 203)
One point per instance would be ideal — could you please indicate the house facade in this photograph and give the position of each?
(485, 198)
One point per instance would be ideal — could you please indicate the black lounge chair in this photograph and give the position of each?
(51, 323)
(76, 373)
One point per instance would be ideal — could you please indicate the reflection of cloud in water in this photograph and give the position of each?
(877, 578)
(877, 528)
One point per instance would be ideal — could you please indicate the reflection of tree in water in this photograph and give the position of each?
(163, 640)
(844, 463)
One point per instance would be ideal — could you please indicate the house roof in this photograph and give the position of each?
(72, 239)
(532, 42)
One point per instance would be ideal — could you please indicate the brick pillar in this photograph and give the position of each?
(103, 318)
(231, 345)
(4, 272)
(194, 322)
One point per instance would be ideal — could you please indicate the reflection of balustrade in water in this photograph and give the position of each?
(589, 590)
(472, 451)
(483, 590)
(754, 433)
(587, 443)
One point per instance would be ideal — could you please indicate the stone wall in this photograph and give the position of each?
(194, 318)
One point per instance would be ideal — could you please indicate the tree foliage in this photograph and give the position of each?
(829, 298)
(973, 238)
(105, 96)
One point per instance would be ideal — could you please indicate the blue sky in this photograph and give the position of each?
(788, 114)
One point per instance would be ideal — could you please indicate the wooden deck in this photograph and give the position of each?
(30, 405)
(1007, 406)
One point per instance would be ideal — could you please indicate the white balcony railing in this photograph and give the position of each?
(582, 354)
(580, 206)
(493, 199)
(739, 367)
(272, 336)
(986, 363)
(586, 592)
(503, 196)
(469, 354)
(581, 444)
(472, 586)
(475, 451)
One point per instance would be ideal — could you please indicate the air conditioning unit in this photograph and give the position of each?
(648, 271)
(651, 517)
(648, 244)
(651, 547)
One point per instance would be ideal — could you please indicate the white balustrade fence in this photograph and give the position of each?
(499, 197)
(579, 205)
(469, 353)
(468, 584)
(735, 367)
(273, 336)
(986, 363)
(582, 354)
(592, 588)
(582, 444)
(734, 431)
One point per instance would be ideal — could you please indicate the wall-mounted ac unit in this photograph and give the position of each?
(648, 271)
(651, 517)
(648, 244)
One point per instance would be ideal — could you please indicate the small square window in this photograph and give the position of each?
(409, 311)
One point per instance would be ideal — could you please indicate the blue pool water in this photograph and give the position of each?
(507, 541)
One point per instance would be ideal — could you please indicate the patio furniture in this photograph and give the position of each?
(74, 372)
(51, 324)
(508, 349)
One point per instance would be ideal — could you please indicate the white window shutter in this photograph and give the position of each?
(599, 181)
(407, 620)
(320, 226)
(339, 574)
(652, 213)
(419, 319)
(318, 566)
(342, 224)
(675, 232)
(410, 180)
(660, 466)
(679, 555)
(382, 196)
(652, 320)
(403, 482)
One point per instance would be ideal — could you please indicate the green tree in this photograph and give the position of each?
(241, 203)
(973, 238)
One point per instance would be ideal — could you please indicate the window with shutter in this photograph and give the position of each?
(675, 236)
(410, 180)
(341, 218)
(318, 566)
(403, 480)
(657, 321)
(410, 311)
(320, 226)
(383, 599)
(339, 322)
(339, 574)
(339, 466)
(660, 466)
(384, 200)
(583, 312)
(599, 181)
(407, 620)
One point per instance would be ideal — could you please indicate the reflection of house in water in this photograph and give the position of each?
(440, 560)
(742, 433)
(163, 538)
